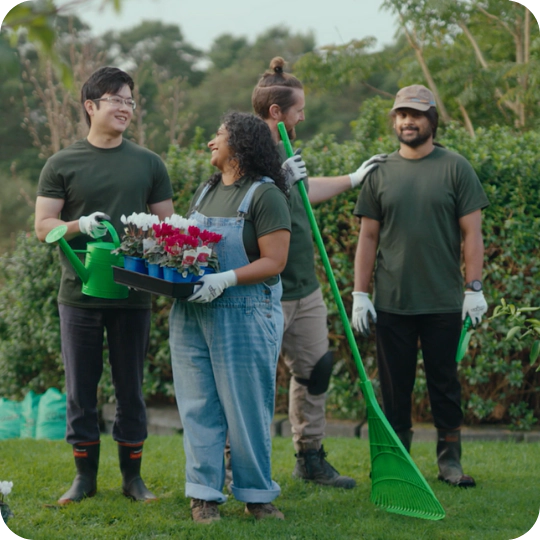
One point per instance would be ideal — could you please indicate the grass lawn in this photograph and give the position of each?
(503, 506)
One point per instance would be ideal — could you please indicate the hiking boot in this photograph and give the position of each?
(204, 511)
(263, 511)
(312, 466)
(449, 459)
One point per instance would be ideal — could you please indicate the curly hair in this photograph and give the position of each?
(252, 146)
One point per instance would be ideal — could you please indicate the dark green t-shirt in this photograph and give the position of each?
(299, 278)
(115, 181)
(267, 213)
(418, 203)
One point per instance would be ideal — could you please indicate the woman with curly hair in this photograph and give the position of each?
(225, 339)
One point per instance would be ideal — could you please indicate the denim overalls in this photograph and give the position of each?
(224, 358)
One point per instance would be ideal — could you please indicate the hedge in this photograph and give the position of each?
(500, 382)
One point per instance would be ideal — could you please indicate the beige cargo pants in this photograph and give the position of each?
(305, 341)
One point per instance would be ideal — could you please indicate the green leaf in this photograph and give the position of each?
(512, 332)
(535, 352)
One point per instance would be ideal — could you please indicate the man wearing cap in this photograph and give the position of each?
(415, 210)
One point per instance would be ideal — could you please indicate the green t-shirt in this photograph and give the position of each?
(115, 181)
(267, 213)
(299, 278)
(418, 203)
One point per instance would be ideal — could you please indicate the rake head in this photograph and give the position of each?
(397, 484)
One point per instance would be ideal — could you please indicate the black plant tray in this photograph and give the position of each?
(153, 285)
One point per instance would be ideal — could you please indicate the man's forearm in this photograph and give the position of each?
(323, 188)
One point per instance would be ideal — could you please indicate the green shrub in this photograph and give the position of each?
(500, 382)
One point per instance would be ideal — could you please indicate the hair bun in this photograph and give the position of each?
(277, 64)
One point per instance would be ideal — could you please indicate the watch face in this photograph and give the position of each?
(475, 285)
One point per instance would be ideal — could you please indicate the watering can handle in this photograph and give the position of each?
(112, 232)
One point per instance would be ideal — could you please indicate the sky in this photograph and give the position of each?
(333, 22)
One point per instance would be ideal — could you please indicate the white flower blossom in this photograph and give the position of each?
(180, 222)
(5, 488)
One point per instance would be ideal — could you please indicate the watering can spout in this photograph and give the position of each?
(57, 235)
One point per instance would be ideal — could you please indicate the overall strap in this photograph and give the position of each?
(246, 201)
(201, 197)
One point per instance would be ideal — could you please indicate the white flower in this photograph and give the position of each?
(5, 488)
(180, 222)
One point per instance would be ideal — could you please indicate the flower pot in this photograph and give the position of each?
(202, 272)
(135, 264)
(155, 270)
(172, 274)
(5, 512)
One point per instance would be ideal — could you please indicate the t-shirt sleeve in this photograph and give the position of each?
(51, 184)
(367, 203)
(161, 185)
(470, 193)
(270, 210)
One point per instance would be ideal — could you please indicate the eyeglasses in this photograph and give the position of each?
(117, 101)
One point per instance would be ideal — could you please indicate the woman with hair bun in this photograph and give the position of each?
(225, 339)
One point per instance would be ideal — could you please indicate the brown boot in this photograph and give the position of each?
(204, 511)
(263, 511)
(86, 456)
(449, 459)
(130, 455)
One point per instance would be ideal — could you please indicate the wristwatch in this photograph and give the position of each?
(475, 285)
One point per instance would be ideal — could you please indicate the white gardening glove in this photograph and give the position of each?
(475, 306)
(92, 226)
(212, 286)
(359, 175)
(294, 169)
(362, 307)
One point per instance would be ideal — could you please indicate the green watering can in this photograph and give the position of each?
(96, 273)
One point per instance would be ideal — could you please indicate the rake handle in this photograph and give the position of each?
(365, 382)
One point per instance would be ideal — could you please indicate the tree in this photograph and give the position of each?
(153, 42)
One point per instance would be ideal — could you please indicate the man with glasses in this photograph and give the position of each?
(102, 177)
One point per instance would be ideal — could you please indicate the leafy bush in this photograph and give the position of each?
(500, 382)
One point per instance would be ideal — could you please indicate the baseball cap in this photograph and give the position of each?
(416, 97)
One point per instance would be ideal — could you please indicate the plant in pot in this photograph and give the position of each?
(138, 232)
(190, 254)
(5, 490)
(154, 252)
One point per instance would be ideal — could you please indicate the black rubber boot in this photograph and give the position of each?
(405, 437)
(130, 465)
(85, 484)
(449, 459)
(311, 465)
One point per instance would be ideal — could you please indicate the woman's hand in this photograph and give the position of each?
(212, 286)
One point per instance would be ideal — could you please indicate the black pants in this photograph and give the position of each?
(82, 333)
(397, 351)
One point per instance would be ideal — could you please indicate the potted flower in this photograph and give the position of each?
(189, 251)
(5, 490)
(137, 236)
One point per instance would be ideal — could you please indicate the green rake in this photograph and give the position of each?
(464, 339)
(396, 483)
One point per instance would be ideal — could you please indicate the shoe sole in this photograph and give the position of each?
(64, 502)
